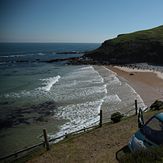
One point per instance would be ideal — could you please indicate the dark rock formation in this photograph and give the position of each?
(141, 46)
(62, 59)
(28, 115)
(70, 52)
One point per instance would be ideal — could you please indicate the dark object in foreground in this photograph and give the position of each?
(146, 144)
(150, 134)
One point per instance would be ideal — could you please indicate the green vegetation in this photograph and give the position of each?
(154, 155)
(140, 46)
(157, 105)
(154, 34)
(116, 117)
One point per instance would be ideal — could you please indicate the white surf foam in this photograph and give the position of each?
(12, 56)
(116, 80)
(41, 54)
(88, 72)
(112, 98)
(86, 68)
(139, 99)
(112, 80)
(81, 84)
(79, 116)
(49, 82)
(84, 93)
(99, 76)
(109, 70)
(23, 93)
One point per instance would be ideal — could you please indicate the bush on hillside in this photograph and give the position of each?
(157, 105)
(116, 117)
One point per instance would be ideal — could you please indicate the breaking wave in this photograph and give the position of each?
(49, 82)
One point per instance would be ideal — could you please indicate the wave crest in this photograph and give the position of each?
(49, 82)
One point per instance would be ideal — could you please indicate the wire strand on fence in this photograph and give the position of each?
(21, 151)
(127, 113)
(75, 132)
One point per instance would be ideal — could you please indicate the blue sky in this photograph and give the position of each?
(75, 20)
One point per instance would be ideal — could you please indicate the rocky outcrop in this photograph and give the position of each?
(63, 59)
(141, 46)
(28, 115)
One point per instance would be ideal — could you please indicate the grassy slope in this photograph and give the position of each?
(140, 46)
(99, 145)
(152, 34)
(154, 155)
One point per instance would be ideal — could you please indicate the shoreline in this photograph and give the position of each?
(119, 73)
(147, 83)
(127, 69)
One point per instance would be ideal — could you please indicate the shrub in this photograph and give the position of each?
(157, 105)
(116, 117)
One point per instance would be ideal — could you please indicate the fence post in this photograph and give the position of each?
(66, 136)
(46, 140)
(100, 118)
(136, 107)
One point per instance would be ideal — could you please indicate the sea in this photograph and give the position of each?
(60, 97)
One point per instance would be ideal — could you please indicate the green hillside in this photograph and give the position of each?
(140, 46)
(154, 34)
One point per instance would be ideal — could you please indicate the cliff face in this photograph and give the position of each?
(141, 46)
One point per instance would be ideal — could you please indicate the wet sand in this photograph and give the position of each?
(148, 84)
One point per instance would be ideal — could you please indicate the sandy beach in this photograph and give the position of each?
(147, 83)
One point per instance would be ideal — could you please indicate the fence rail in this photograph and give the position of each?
(46, 142)
(22, 151)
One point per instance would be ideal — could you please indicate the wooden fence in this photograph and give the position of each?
(46, 142)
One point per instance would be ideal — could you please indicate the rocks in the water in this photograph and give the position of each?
(42, 119)
(6, 123)
(45, 108)
(157, 105)
(62, 59)
(4, 103)
(28, 115)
